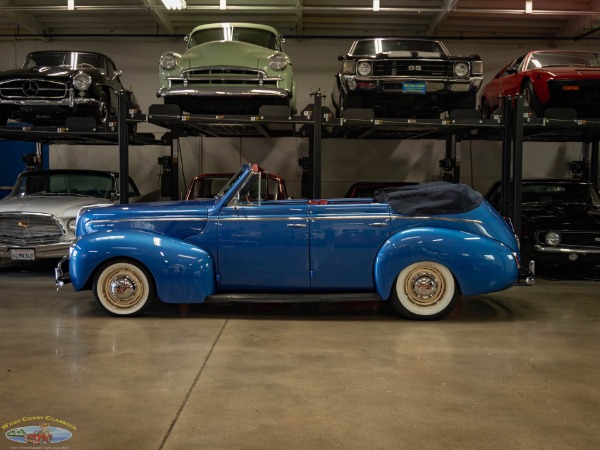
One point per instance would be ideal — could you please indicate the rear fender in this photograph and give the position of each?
(183, 273)
(479, 264)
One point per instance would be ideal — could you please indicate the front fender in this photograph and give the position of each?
(479, 264)
(183, 273)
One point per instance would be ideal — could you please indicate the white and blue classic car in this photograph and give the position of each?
(418, 246)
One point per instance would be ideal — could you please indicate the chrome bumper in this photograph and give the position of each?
(70, 101)
(60, 276)
(224, 91)
(578, 251)
(55, 250)
(527, 275)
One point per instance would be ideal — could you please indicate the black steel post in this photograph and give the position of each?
(123, 136)
(594, 163)
(506, 156)
(315, 159)
(517, 165)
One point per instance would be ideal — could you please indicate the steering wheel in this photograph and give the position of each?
(94, 193)
(85, 66)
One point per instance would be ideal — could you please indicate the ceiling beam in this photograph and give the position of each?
(441, 15)
(578, 25)
(23, 20)
(161, 17)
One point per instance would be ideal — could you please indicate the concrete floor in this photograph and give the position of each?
(513, 370)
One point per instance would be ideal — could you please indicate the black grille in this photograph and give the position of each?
(576, 238)
(412, 67)
(29, 229)
(33, 89)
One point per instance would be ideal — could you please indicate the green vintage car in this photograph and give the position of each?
(228, 68)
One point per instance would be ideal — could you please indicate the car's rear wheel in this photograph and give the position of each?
(124, 288)
(532, 100)
(425, 291)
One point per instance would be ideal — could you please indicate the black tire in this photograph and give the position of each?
(103, 111)
(532, 100)
(424, 290)
(467, 101)
(486, 110)
(351, 101)
(124, 288)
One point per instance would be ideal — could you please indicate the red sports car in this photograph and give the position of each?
(548, 78)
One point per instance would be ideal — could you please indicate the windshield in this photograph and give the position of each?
(559, 194)
(376, 46)
(69, 60)
(255, 36)
(230, 183)
(549, 59)
(68, 184)
(207, 187)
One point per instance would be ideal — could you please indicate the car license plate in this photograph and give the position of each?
(414, 87)
(22, 255)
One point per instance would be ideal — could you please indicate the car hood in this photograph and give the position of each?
(45, 72)
(567, 71)
(60, 206)
(546, 217)
(180, 219)
(228, 53)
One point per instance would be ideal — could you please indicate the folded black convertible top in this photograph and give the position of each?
(439, 197)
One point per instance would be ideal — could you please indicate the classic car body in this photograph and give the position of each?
(400, 77)
(235, 248)
(230, 68)
(548, 78)
(54, 85)
(208, 185)
(560, 221)
(37, 219)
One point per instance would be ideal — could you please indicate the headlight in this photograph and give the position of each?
(364, 68)
(278, 62)
(71, 224)
(82, 81)
(169, 61)
(552, 238)
(461, 69)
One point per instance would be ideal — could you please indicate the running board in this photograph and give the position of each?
(292, 298)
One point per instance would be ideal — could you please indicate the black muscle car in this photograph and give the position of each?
(54, 85)
(560, 221)
(405, 78)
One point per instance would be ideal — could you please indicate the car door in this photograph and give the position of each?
(263, 246)
(344, 240)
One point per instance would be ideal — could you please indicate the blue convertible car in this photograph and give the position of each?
(418, 246)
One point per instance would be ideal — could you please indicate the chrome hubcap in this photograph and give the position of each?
(122, 288)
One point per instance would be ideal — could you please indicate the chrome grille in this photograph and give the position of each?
(412, 67)
(26, 229)
(206, 76)
(33, 89)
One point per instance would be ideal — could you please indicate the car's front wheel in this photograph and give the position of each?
(124, 288)
(103, 110)
(425, 291)
(532, 100)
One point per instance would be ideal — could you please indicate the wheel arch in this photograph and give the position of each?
(182, 272)
(478, 264)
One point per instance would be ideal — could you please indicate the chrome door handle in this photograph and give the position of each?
(378, 224)
(296, 225)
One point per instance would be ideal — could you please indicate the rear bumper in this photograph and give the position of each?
(527, 275)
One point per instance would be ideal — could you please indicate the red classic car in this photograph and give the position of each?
(548, 78)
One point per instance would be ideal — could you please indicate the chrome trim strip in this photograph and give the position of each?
(223, 91)
(148, 219)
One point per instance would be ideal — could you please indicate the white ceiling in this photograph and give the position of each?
(471, 19)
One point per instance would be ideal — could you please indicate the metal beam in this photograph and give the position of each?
(161, 17)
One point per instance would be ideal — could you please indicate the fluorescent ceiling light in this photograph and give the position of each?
(223, 4)
(174, 4)
(71, 5)
(529, 6)
(375, 5)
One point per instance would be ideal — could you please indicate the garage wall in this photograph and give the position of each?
(344, 161)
